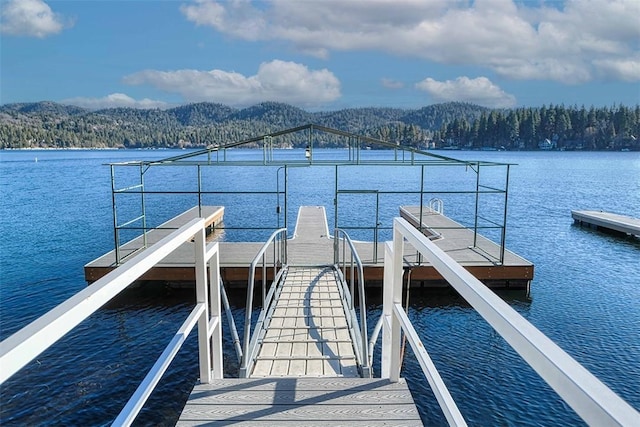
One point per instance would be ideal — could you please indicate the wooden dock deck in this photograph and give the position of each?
(609, 221)
(314, 246)
(301, 402)
(175, 267)
(481, 259)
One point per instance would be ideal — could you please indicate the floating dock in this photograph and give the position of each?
(175, 267)
(312, 245)
(608, 221)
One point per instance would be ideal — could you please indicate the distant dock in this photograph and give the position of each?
(608, 221)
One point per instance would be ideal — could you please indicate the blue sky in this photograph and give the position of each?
(320, 55)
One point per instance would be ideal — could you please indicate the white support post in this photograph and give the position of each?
(204, 349)
(214, 292)
(387, 311)
(392, 295)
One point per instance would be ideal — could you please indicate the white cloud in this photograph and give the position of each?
(623, 69)
(115, 100)
(479, 91)
(33, 18)
(518, 40)
(275, 81)
(392, 84)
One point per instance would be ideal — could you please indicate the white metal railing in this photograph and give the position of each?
(278, 241)
(350, 261)
(26, 344)
(588, 396)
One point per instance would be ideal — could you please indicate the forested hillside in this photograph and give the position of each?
(450, 125)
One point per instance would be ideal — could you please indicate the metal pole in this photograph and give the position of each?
(116, 236)
(475, 226)
(504, 222)
(310, 145)
(199, 192)
(335, 199)
(142, 206)
(352, 280)
(264, 151)
(278, 196)
(264, 279)
(375, 236)
(421, 207)
(421, 195)
(286, 178)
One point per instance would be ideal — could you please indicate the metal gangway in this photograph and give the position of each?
(305, 359)
(307, 325)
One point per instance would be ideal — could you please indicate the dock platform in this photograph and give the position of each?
(313, 245)
(609, 221)
(175, 267)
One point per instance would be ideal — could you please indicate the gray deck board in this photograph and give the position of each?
(312, 246)
(307, 332)
(457, 241)
(301, 402)
(611, 221)
(211, 214)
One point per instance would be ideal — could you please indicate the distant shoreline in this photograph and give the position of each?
(449, 150)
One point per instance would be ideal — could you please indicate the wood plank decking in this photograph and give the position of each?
(607, 220)
(308, 333)
(312, 245)
(482, 259)
(172, 268)
(300, 402)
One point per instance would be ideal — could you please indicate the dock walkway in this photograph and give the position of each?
(305, 372)
(609, 221)
(301, 402)
(308, 333)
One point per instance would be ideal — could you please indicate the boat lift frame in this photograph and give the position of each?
(217, 155)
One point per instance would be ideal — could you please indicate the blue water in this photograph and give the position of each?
(57, 217)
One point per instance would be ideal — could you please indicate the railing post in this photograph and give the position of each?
(116, 233)
(214, 292)
(204, 349)
(503, 236)
(392, 294)
(199, 192)
(475, 221)
(143, 208)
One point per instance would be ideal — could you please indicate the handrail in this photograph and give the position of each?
(589, 397)
(136, 402)
(361, 338)
(231, 321)
(26, 344)
(279, 240)
(436, 205)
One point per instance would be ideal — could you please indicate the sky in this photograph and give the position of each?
(320, 55)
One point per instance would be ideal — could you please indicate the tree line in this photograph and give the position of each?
(449, 125)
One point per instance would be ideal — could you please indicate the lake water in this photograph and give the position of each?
(56, 215)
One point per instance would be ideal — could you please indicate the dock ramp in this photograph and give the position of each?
(308, 330)
(307, 363)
